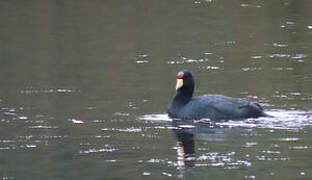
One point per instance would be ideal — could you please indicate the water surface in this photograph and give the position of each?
(85, 87)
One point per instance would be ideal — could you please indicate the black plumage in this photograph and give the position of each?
(213, 107)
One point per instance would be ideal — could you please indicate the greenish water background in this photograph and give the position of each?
(76, 76)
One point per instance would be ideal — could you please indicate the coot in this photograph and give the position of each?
(213, 107)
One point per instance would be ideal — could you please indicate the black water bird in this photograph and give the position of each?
(211, 107)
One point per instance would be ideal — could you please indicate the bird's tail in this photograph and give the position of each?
(266, 115)
(263, 114)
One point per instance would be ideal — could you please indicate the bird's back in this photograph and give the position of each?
(218, 107)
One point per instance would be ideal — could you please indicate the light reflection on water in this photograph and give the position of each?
(198, 144)
(224, 146)
(77, 77)
(282, 119)
(190, 135)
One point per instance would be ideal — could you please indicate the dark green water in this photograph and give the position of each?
(81, 80)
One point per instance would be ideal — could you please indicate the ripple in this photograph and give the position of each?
(10, 112)
(155, 117)
(212, 67)
(244, 5)
(131, 129)
(6, 177)
(279, 55)
(267, 158)
(155, 160)
(250, 144)
(280, 45)
(94, 150)
(300, 147)
(5, 148)
(121, 114)
(185, 60)
(166, 174)
(256, 57)
(282, 119)
(216, 159)
(23, 117)
(245, 69)
(31, 90)
(295, 93)
(31, 146)
(142, 58)
(283, 68)
(146, 173)
(43, 127)
(76, 121)
(299, 56)
(288, 25)
(141, 61)
(7, 141)
(271, 152)
(289, 139)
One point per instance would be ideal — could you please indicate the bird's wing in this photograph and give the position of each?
(221, 106)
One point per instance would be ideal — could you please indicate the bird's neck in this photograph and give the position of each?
(183, 97)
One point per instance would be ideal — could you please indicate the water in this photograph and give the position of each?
(85, 87)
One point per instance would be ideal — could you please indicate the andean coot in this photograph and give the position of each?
(213, 107)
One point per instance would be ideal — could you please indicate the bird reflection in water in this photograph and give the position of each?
(185, 145)
(186, 132)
